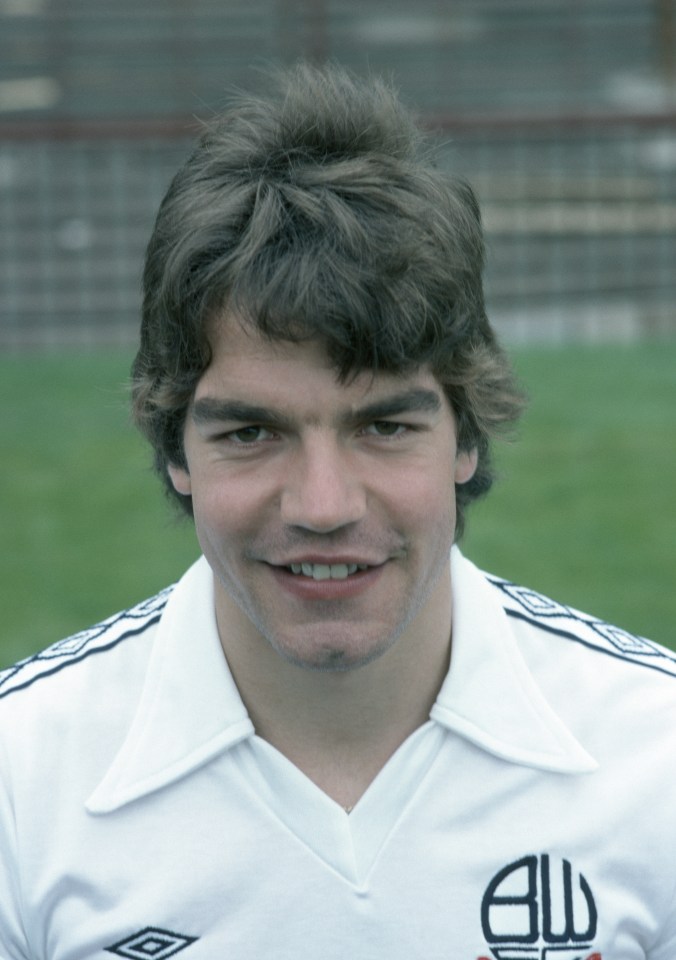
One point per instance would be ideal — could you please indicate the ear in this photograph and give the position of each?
(180, 478)
(465, 464)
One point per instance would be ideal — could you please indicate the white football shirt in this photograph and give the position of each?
(532, 816)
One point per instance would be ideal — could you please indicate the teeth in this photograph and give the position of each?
(326, 571)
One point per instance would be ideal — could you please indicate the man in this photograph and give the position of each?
(327, 741)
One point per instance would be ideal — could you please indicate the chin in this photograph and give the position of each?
(332, 658)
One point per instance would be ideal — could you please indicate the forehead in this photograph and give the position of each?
(244, 362)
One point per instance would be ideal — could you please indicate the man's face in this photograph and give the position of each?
(325, 510)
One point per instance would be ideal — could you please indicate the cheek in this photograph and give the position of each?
(426, 501)
(221, 536)
(227, 511)
(433, 482)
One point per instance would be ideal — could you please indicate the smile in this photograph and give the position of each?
(326, 571)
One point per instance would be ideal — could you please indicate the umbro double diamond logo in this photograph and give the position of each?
(151, 944)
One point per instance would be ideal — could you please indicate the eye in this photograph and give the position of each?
(385, 428)
(250, 434)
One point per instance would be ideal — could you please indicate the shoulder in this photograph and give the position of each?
(75, 701)
(534, 613)
(67, 658)
(613, 690)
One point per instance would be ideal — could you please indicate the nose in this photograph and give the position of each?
(322, 491)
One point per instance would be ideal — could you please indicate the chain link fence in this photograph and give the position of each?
(560, 112)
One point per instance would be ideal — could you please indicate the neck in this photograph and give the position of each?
(340, 728)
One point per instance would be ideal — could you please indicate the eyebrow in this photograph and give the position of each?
(212, 410)
(215, 410)
(415, 400)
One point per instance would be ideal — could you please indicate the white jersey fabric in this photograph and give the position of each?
(533, 816)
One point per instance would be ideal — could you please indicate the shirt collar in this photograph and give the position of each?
(490, 695)
(190, 709)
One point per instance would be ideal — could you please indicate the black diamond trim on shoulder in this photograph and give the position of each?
(531, 606)
(151, 942)
(104, 636)
(532, 601)
(623, 641)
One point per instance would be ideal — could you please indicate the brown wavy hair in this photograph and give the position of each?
(318, 212)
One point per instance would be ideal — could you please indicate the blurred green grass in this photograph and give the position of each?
(86, 527)
(585, 508)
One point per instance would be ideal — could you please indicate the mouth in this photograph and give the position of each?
(317, 579)
(326, 571)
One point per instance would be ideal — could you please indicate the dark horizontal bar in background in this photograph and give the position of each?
(182, 127)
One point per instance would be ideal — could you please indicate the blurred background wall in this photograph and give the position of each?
(561, 112)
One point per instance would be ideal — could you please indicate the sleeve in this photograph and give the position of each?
(13, 943)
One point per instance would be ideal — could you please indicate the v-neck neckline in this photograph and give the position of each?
(190, 710)
(348, 843)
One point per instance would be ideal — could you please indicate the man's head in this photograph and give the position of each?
(318, 215)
